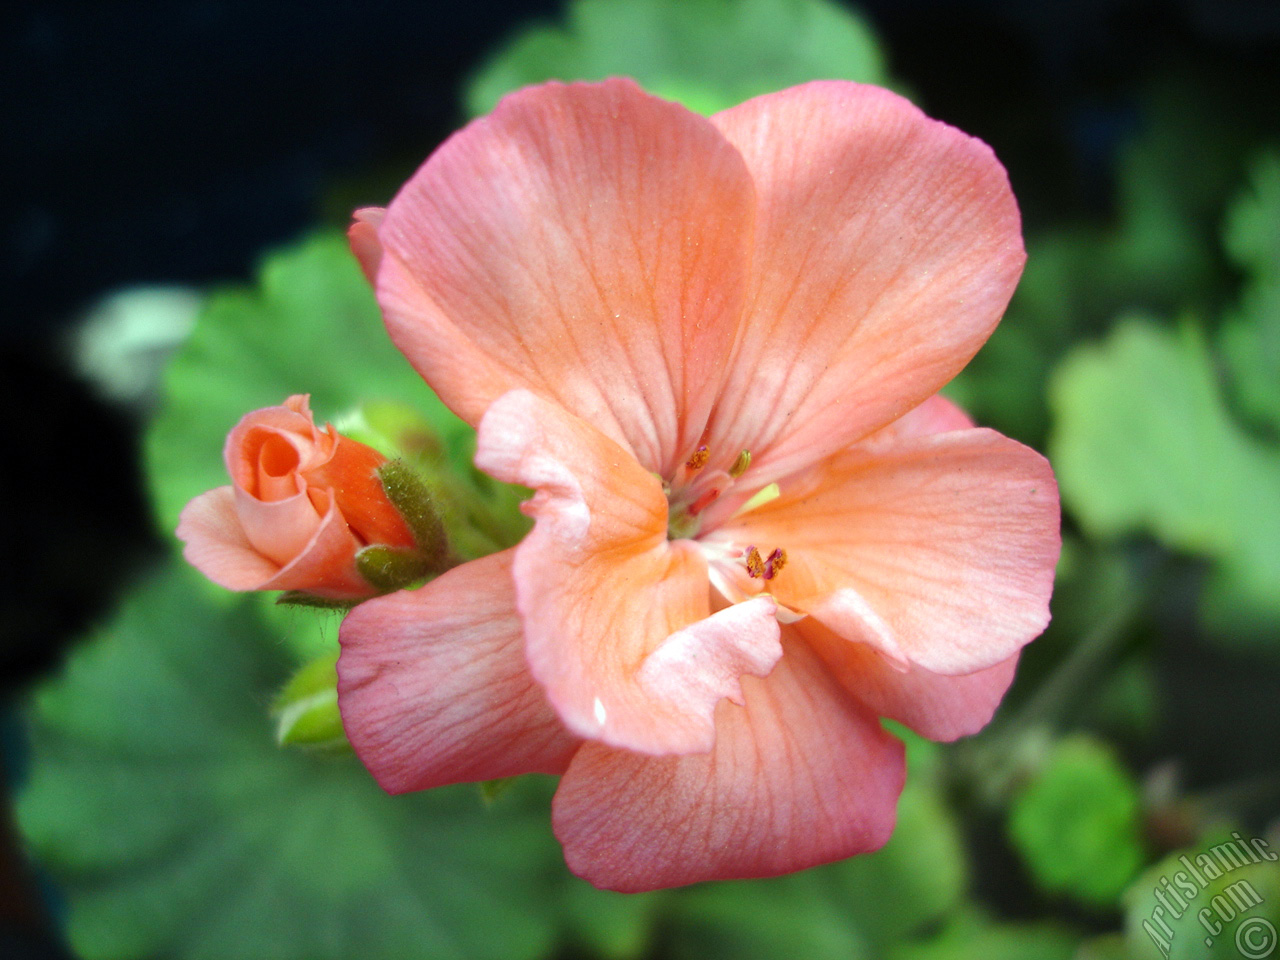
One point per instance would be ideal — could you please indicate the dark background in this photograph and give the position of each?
(172, 142)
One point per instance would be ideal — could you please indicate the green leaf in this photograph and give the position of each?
(707, 54)
(177, 828)
(612, 926)
(1144, 443)
(310, 325)
(972, 936)
(1110, 946)
(1180, 910)
(1157, 252)
(782, 918)
(1078, 824)
(1250, 338)
(1252, 231)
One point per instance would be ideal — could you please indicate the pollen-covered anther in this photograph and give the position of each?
(774, 564)
(698, 459)
(763, 568)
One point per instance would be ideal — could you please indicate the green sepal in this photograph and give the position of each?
(306, 711)
(387, 568)
(413, 499)
(300, 598)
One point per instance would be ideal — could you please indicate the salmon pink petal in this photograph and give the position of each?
(588, 242)
(281, 529)
(271, 444)
(434, 689)
(937, 550)
(936, 415)
(217, 546)
(887, 246)
(363, 237)
(352, 474)
(933, 705)
(613, 612)
(801, 774)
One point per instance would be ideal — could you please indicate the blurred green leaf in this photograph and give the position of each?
(1250, 337)
(1158, 251)
(612, 926)
(1183, 912)
(1143, 443)
(310, 325)
(178, 829)
(1127, 704)
(707, 54)
(1077, 823)
(972, 936)
(1252, 232)
(778, 919)
(1110, 946)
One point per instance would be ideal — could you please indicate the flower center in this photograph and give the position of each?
(694, 488)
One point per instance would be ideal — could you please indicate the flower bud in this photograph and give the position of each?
(303, 505)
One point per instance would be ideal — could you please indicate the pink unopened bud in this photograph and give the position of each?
(302, 504)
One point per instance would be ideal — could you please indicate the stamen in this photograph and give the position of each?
(755, 565)
(740, 465)
(773, 566)
(698, 459)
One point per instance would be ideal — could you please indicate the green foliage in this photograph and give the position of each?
(972, 936)
(778, 919)
(1177, 911)
(196, 837)
(1144, 443)
(1077, 823)
(1158, 252)
(612, 926)
(178, 829)
(707, 54)
(1251, 336)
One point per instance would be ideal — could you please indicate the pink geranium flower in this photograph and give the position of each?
(625, 297)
